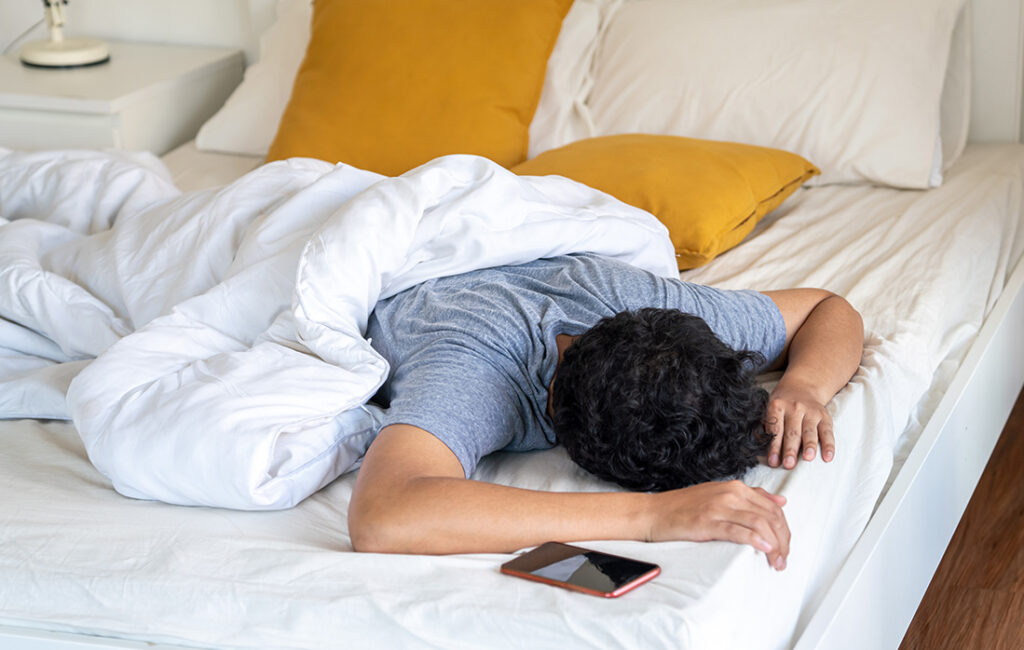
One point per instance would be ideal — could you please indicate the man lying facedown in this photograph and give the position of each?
(647, 382)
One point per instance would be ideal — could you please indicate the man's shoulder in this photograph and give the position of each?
(586, 264)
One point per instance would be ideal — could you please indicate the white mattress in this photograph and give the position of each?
(923, 267)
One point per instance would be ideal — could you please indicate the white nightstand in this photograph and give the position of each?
(148, 97)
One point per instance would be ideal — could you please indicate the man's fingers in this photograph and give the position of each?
(760, 512)
(773, 426)
(771, 513)
(767, 520)
(731, 531)
(810, 437)
(791, 438)
(800, 425)
(827, 439)
(798, 433)
(753, 532)
(735, 512)
(777, 498)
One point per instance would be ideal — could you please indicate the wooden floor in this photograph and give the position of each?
(976, 599)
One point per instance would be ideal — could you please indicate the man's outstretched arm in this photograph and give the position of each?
(824, 343)
(411, 497)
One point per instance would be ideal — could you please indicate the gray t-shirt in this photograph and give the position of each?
(472, 355)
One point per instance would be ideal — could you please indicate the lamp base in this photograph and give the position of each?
(69, 53)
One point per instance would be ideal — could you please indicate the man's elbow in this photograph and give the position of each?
(363, 537)
(841, 306)
(370, 529)
(381, 526)
(854, 316)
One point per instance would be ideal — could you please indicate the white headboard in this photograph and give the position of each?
(997, 70)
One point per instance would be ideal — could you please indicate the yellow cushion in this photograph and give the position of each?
(709, 194)
(387, 85)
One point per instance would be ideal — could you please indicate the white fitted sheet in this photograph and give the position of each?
(923, 267)
(192, 169)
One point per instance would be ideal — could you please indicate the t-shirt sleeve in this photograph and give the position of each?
(460, 398)
(743, 319)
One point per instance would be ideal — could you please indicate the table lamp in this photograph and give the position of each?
(60, 52)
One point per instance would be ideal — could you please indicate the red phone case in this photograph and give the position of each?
(545, 549)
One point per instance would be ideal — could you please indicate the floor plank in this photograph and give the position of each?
(976, 598)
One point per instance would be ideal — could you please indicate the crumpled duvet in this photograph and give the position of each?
(209, 346)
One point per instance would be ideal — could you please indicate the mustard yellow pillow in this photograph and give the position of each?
(387, 85)
(709, 194)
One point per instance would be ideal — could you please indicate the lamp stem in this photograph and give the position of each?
(55, 19)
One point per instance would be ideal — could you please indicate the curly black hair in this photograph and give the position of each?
(653, 400)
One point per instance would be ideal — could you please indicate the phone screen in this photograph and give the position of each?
(581, 569)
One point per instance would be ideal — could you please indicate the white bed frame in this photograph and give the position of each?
(876, 593)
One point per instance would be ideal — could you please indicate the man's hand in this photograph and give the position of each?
(411, 497)
(728, 511)
(824, 343)
(797, 419)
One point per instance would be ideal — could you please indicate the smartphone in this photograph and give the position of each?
(580, 569)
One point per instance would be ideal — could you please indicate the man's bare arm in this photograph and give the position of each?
(411, 497)
(824, 343)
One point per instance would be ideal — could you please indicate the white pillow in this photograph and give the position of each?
(247, 122)
(956, 93)
(562, 116)
(854, 86)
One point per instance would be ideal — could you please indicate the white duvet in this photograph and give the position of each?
(210, 344)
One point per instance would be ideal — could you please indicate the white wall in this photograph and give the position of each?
(997, 97)
(227, 23)
(15, 17)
